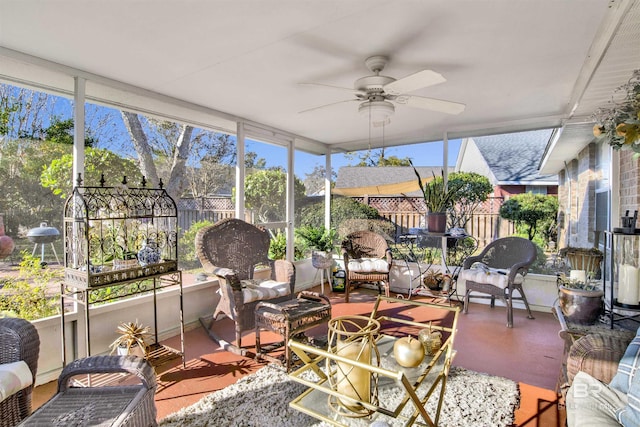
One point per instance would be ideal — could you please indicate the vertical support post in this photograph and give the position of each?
(290, 251)
(327, 189)
(240, 171)
(445, 158)
(78, 129)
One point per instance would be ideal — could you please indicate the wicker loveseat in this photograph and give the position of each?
(19, 342)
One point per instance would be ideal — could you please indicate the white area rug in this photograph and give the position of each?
(262, 399)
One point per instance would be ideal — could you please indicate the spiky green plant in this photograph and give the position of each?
(438, 197)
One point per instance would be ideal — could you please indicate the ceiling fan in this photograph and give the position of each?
(375, 93)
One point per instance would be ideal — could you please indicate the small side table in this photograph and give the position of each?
(290, 318)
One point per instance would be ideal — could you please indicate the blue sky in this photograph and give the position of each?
(425, 154)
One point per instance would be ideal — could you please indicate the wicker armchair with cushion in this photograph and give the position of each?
(499, 271)
(19, 350)
(367, 259)
(231, 249)
(108, 400)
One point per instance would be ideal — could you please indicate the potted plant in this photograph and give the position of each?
(438, 197)
(580, 300)
(322, 241)
(132, 339)
(586, 259)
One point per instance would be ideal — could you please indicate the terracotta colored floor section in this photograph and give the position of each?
(529, 353)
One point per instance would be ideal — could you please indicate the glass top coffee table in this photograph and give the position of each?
(405, 396)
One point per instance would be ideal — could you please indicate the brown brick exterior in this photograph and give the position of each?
(629, 180)
(577, 214)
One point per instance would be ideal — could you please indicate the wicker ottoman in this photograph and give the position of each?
(290, 318)
(130, 404)
(596, 354)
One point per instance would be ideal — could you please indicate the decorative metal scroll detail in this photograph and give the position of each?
(106, 227)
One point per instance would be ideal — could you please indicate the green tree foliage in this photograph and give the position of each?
(23, 199)
(186, 245)
(342, 208)
(57, 175)
(30, 115)
(474, 189)
(377, 158)
(61, 132)
(26, 296)
(266, 194)
(531, 212)
(278, 247)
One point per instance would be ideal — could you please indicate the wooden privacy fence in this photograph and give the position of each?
(212, 209)
(405, 212)
(408, 212)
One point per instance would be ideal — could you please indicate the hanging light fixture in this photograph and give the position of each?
(378, 112)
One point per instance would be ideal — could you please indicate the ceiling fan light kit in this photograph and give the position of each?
(375, 92)
(378, 112)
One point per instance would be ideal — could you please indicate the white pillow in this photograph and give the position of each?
(490, 276)
(368, 265)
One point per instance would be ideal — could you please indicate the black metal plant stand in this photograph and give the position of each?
(107, 231)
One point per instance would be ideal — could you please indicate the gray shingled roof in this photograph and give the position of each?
(515, 157)
(363, 176)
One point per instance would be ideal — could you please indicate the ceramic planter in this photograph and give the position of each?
(437, 222)
(580, 306)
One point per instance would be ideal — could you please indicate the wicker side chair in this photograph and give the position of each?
(130, 403)
(502, 266)
(367, 259)
(231, 249)
(19, 340)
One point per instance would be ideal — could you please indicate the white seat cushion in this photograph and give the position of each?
(368, 265)
(260, 290)
(14, 377)
(490, 276)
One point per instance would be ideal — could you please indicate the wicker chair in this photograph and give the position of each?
(231, 249)
(130, 403)
(503, 265)
(359, 249)
(19, 340)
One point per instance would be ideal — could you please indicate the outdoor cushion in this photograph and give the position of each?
(260, 290)
(368, 265)
(491, 276)
(627, 381)
(14, 377)
(591, 403)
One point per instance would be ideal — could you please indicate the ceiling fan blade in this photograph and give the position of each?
(413, 82)
(433, 104)
(349, 89)
(328, 105)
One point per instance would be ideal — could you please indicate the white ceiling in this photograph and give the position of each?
(517, 65)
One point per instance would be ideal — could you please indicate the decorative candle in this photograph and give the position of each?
(628, 284)
(578, 276)
(352, 381)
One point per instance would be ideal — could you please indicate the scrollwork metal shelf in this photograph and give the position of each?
(108, 234)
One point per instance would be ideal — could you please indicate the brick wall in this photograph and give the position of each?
(629, 179)
(576, 197)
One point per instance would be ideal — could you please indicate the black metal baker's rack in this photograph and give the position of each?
(104, 230)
